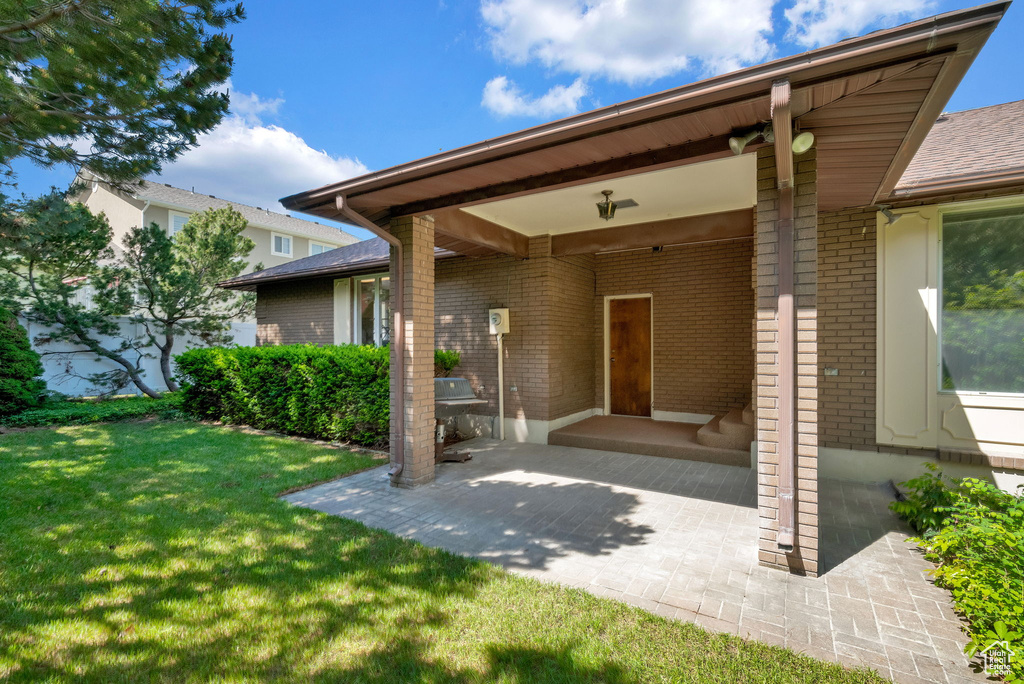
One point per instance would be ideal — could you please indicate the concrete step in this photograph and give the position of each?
(711, 435)
(732, 424)
(644, 436)
(748, 414)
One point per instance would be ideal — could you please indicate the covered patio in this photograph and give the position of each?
(678, 538)
(522, 206)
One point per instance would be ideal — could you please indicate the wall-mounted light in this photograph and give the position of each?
(801, 142)
(606, 209)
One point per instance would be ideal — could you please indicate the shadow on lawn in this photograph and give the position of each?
(164, 556)
(157, 557)
(403, 661)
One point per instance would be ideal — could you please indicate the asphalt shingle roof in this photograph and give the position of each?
(969, 143)
(360, 256)
(163, 194)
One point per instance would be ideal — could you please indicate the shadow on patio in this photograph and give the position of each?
(678, 538)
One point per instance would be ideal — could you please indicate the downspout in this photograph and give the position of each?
(397, 326)
(782, 125)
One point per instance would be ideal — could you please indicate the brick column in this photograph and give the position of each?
(804, 557)
(417, 236)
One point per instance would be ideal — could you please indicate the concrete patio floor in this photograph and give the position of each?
(678, 538)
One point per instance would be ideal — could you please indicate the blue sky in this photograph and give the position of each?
(323, 90)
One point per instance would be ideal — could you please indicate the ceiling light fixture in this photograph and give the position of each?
(606, 209)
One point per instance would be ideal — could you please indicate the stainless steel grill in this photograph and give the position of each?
(452, 397)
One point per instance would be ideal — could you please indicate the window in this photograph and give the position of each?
(318, 248)
(982, 301)
(177, 222)
(373, 310)
(281, 245)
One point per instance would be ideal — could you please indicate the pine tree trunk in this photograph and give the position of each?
(165, 363)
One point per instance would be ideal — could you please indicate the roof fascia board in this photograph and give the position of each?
(950, 74)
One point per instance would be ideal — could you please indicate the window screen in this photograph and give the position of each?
(982, 325)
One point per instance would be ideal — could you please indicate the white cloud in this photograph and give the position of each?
(251, 107)
(820, 22)
(631, 41)
(248, 161)
(504, 98)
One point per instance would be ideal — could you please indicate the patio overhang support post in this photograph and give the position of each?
(782, 124)
(398, 328)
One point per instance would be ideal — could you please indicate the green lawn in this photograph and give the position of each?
(158, 551)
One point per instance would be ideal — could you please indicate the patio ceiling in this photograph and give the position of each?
(706, 188)
(870, 102)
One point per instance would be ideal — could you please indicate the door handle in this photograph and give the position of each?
(612, 359)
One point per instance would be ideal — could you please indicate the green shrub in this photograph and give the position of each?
(974, 532)
(445, 362)
(70, 412)
(20, 385)
(332, 392)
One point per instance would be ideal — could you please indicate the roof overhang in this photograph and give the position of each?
(870, 102)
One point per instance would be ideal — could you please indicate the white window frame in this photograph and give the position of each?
(357, 318)
(171, 215)
(326, 247)
(273, 244)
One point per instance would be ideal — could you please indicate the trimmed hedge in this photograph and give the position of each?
(72, 412)
(332, 392)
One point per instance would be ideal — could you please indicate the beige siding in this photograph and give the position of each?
(261, 236)
(122, 212)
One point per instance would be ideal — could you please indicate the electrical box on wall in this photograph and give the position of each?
(498, 321)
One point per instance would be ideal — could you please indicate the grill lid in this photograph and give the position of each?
(446, 389)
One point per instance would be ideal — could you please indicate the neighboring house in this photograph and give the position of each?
(838, 291)
(279, 239)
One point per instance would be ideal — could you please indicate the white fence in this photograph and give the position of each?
(66, 367)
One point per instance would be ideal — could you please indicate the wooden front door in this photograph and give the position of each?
(629, 357)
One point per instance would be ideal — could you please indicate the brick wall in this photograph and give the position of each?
(549, 349)
(846, 328)
(804, 558)
(573, 345)
(296, 312)
(703, 307)
(464, 290)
